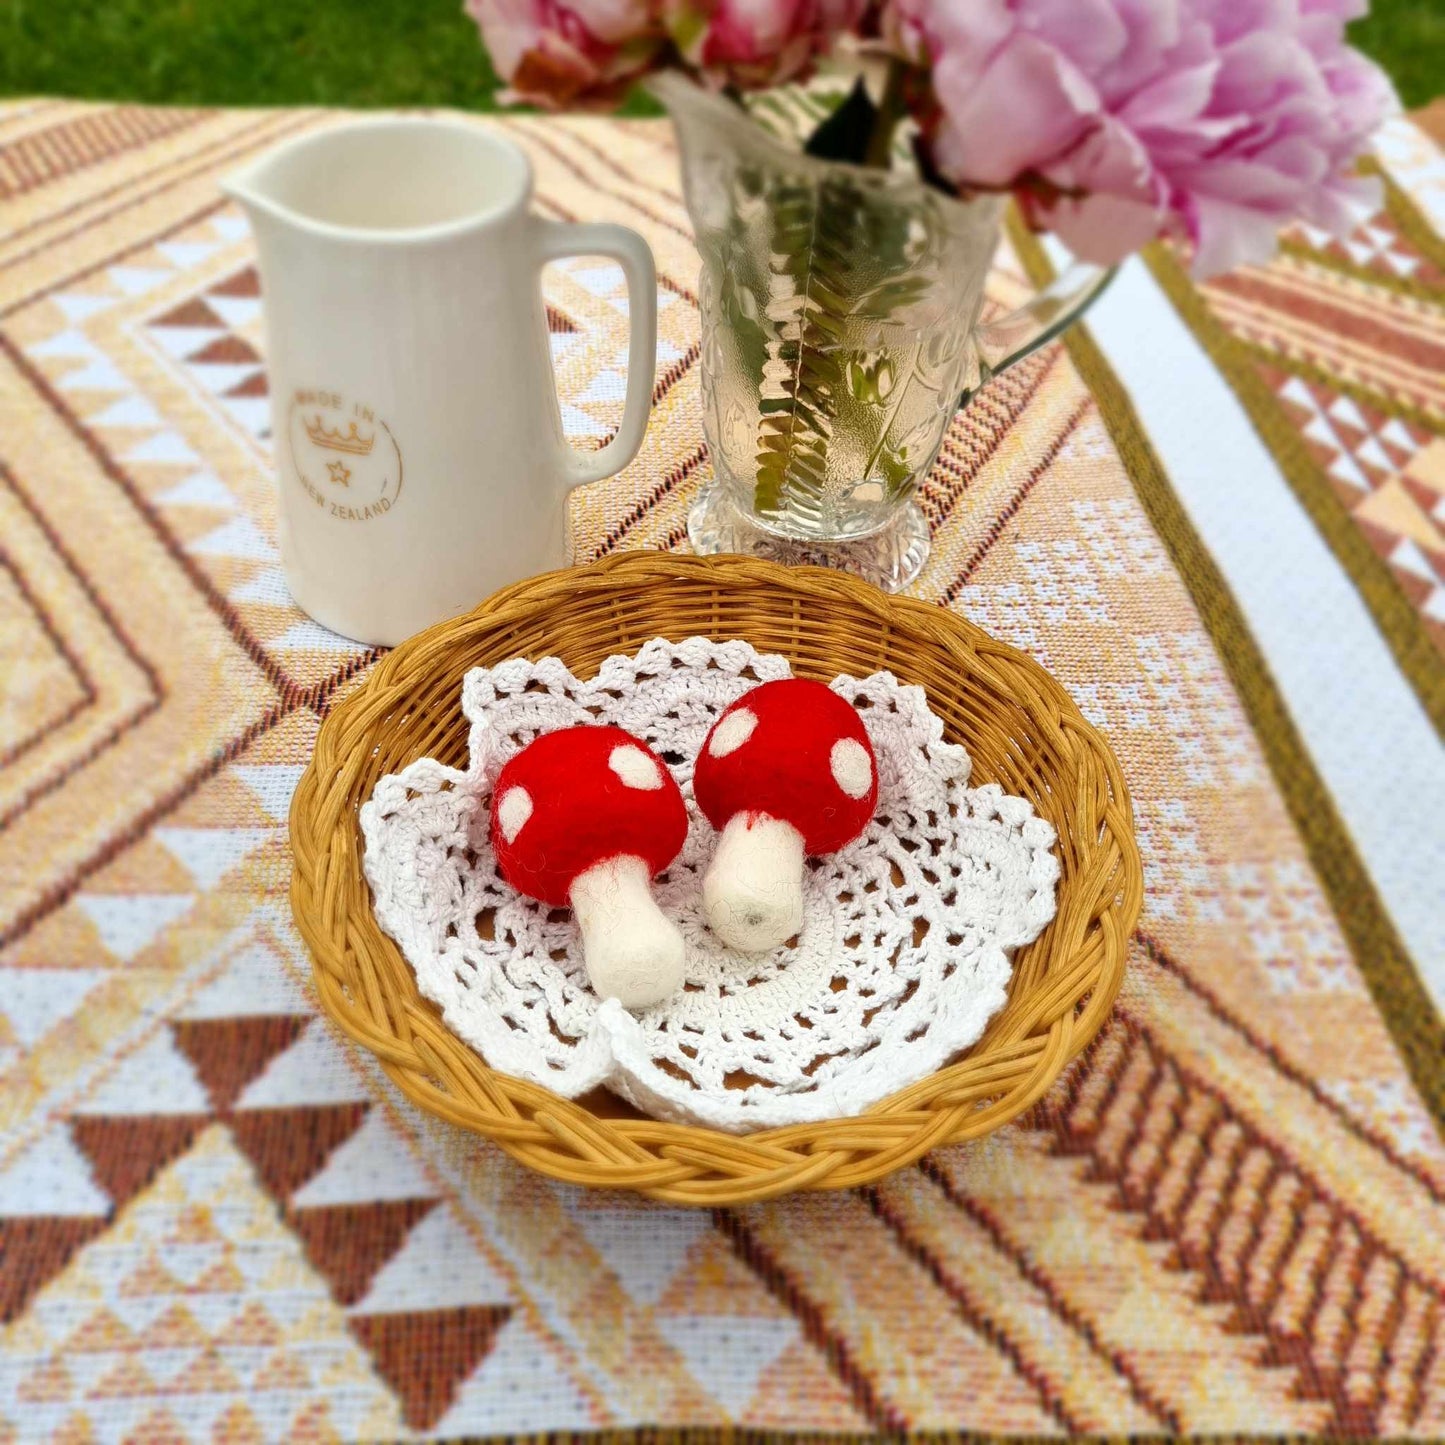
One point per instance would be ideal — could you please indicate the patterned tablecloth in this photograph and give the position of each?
(1218, 516)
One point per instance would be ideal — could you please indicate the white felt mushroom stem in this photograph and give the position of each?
(753, 892)
(634, 954)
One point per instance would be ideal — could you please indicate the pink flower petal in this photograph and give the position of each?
(1103, 228)
(1024, 109)
(1228, 235)
(1090, 32)
(1218, 119)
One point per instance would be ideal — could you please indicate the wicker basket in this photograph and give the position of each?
(1018, 724)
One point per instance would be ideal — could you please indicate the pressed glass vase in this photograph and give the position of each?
(840, 332)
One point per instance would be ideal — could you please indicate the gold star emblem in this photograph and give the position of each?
(340, 473)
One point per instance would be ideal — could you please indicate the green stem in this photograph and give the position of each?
(888, 422)
(891, 109)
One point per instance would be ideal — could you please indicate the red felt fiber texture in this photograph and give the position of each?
(784, 768)
(582, 813)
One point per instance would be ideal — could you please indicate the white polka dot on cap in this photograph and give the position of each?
(851, 767)
(513, 811)
(732, 732)
(635, 768)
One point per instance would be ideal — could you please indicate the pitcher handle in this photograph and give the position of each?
(559, 239)
(1000, 343)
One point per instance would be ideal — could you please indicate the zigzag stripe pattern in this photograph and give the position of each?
(1361, 1330)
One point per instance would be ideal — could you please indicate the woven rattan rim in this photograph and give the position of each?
(1020, 727)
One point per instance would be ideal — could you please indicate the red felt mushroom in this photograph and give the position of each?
(587, 817)
(786, 773)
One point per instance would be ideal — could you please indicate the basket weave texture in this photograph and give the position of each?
(1019, 726)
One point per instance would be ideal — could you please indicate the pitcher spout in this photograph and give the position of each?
(240, 186)
(251, 189)
(386, 181)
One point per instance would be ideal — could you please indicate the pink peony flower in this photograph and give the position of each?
(756, 43)
(569, 52)
(1221, 120)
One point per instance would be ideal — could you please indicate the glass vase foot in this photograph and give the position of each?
(889, 558)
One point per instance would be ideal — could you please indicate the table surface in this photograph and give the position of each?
(1218, 516)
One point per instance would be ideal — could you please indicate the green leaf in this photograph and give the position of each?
(844, 135)
(839, 260)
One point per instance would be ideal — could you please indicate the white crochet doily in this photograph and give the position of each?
(904, 952)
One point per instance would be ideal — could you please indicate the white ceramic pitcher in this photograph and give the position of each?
(419, 449)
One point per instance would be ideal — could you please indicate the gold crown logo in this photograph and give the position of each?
(339, 441)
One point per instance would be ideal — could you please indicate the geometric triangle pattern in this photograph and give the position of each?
(348, 1243)
(218, 1219)
(192, 1316)
(33, 1249)
(1333, 336)
(214, 336)
(283, 1142)
(1376, 246)
(455, 1340)
(1389, 473)
(126, 1153)
(227, 1053)
(35, 1000)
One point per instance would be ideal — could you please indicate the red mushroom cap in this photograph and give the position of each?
(796, 751)
(579, 797)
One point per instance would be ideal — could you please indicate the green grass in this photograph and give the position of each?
(387, 52)
(1407, 37)
(246, 52)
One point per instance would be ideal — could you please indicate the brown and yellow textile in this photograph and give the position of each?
(218, 1222)
(1337, 353)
